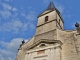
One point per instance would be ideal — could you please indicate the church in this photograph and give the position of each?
(51, 41)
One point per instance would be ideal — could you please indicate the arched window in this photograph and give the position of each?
(46, 18)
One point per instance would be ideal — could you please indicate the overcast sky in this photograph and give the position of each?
(18, 19)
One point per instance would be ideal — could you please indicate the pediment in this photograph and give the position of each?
(43, 43)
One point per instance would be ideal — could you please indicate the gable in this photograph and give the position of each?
(43, 43)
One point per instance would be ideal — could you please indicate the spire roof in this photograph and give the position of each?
(51, 6)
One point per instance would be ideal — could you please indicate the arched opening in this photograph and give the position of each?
(46, 18)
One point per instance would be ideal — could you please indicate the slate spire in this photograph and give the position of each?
(51, 6)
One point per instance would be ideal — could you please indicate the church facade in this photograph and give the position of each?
(51, 41)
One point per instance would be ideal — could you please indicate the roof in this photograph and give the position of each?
(50, 8)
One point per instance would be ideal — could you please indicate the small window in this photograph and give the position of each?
(46, 18)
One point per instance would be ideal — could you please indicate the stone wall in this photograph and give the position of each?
(52, 16)
(50, 53)
(50, 35)
(69, 47)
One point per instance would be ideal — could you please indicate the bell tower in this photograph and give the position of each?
(49, 19)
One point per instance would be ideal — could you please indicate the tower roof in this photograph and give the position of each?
(51, 6)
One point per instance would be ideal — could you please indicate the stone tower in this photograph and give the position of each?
(49, 19)
(51, 41)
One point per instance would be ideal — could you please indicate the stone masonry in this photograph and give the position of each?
(51, 41)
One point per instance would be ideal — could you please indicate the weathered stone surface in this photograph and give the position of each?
(58, 44)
